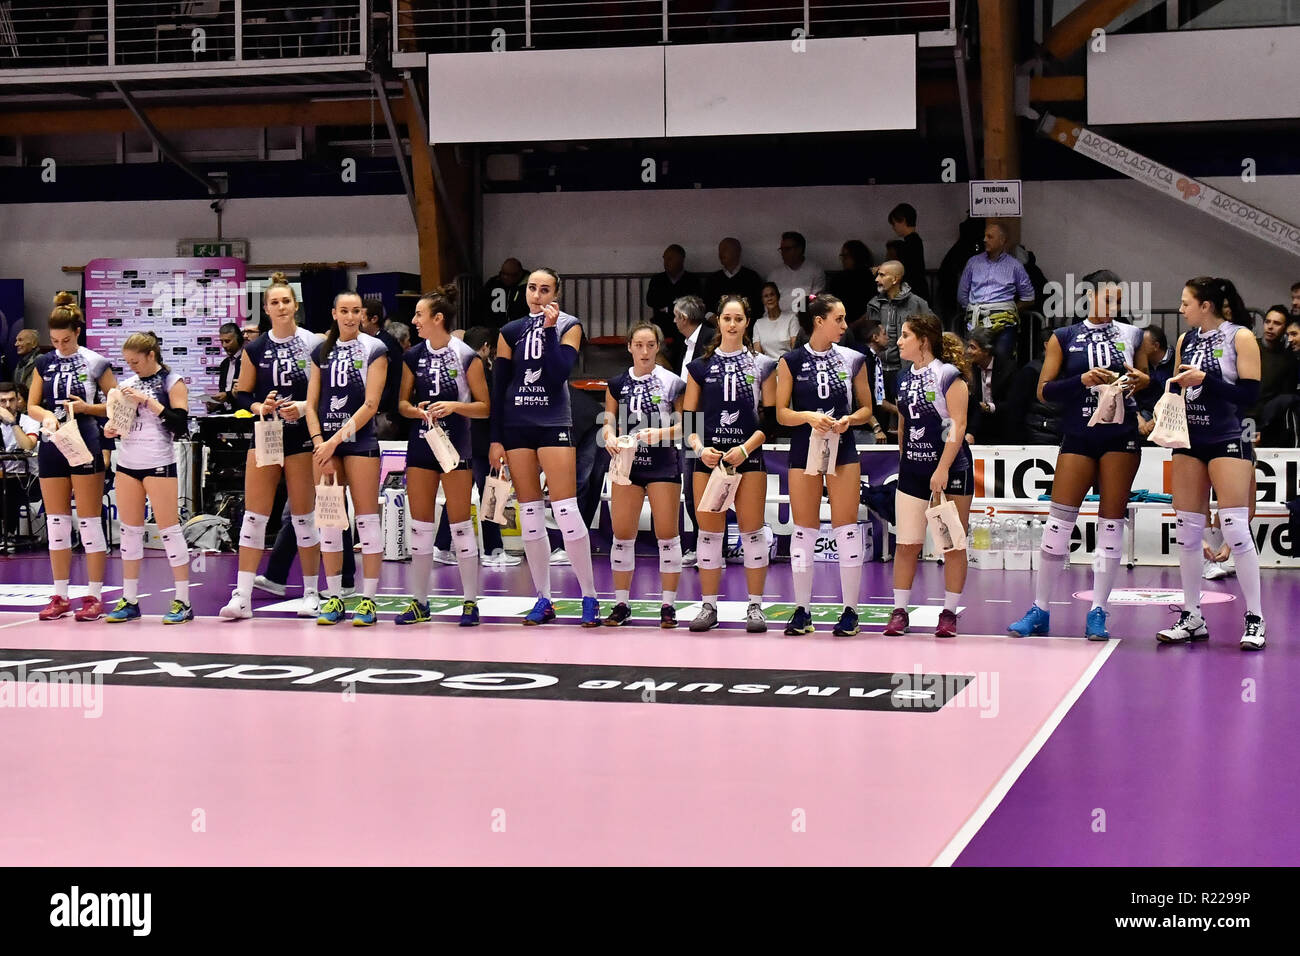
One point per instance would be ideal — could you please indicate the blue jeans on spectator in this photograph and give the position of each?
(491, 530)
(1004, 343)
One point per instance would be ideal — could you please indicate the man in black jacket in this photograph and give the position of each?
(1160, 366)
(388, 423)
(733, 279)
(502, 299)
(669, 286)
(990, 387)
(232, 340)
(1277, 382)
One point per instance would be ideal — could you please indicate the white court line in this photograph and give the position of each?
(1062, 603)
(995, 796)
(16, 623)
(995, 601)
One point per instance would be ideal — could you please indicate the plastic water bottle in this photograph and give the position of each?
(980, 533)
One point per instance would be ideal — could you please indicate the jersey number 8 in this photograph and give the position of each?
(823, 384)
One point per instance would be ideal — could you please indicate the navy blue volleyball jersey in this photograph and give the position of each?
(282, 364)
(528, 402)
(68, 377)
(1212, 420)
(647, 402)
(926, 419)
(442, 375)
(1088, 345)
(343, 381)
(823, 381)
(731, 393)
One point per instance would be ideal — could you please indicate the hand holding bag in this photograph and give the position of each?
(67, 439)
(823, 449)
(1170, 416)
(1110, 404)
(620, 463)
(720, 492)
(331, 504)
(441, 445)
(945, 525)
(121, 412)
(496, 490)
(268, 441)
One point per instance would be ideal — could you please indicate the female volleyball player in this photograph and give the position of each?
(817, 387)
(729, 390)
(933, 405)
(146, 466)
(1219, 370)
(1096, 351)
(531, 425)
(643, 402)
(443, 382)
(64, 383)
(273, 381)
(348, 372)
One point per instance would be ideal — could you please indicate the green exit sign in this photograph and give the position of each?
(213, 248)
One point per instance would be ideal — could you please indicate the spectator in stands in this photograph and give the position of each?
(503, 295)
(1032, 420)
(28, 346)
(796, 277)
(1293, 334)
(970, 241)
(18, 433)
(251, 332)
(669, 286)
(400, 331)
(994, 290)
(223, 402)
(388, 424)
(1160, 366)
(732, 278)
(874, 344)
(855, 283)
(774, 331)
(894, 303)
(692, 334)
(1277, 382)
(1295, 299)
(991, 379)
(902, 219)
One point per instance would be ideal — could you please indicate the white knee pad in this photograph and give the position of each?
(622, 554)
(909, 518)
(422, 535)
(92, 535)
(178, 552)
(1191, 525)
(670, 555)
(1058, 530)
(304, 529)
(532, 524)
(848, 545)
(801, 548)
(59, 530)
(569, 518)
(708, 551)
(462, 539)
(331, 540)
(252, 533)
(370, 532)
(132, 542)
(1110, 538)
(754, 546)
(1235, 523)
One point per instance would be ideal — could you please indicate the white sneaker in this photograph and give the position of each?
(1190, 627)
(559, 556)
(310, 606)
(263, 583)
(347, 592)
(1213, 570)
(444, 557)
(688, 559)
(1229, 566)
(1253, 638)
(239, 608)
(501, 559)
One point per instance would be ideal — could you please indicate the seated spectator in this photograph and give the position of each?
(18, 434)
(28, 346)
(503, 297)
(1277, 382)
(1033, 421)
(894, 303)
(894, 250)
(1295, 300)
(732, 278)
(774, 331)
(796, 277)
(1160, 366)
(994, 290)
(692, 334)
(668, 286)
(855, 283)
(389, 425)
(223, 402)
(874, 344)
(902, 219)
(1293, 334)
(400, 331)
(991, 376)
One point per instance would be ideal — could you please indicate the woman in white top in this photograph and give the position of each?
(146, 466)
(775, 331)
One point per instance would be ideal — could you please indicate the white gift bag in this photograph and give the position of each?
(945, 525)
(121, 412)
(620, 463)
(1110, 405)
(823, 449)
(1170, 416)
(720, 492)
(442, 447)
(331, 504)
(268, 441)
(67, 439)
(496, 490)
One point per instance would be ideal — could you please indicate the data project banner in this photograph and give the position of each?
(184, 301)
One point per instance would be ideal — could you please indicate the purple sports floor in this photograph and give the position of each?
(1051, 751)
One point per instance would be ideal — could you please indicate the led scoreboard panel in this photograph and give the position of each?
(184, 301)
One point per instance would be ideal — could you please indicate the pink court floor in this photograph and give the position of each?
(275, 741)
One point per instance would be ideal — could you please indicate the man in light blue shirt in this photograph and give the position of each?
(994, 290)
